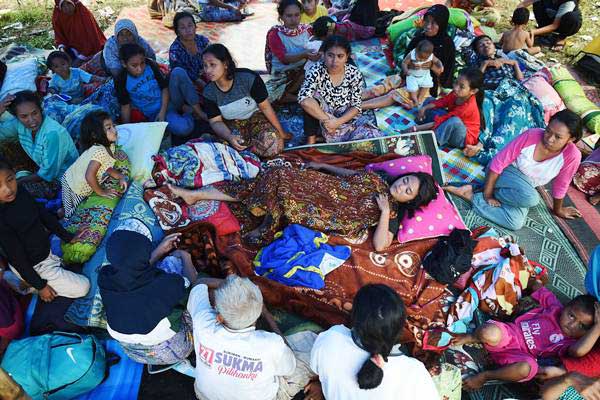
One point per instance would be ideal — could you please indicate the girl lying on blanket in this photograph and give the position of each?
(338, 201)
(98, 143)
(67, 80)
(546, 331)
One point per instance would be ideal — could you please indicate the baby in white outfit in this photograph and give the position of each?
(417, 67)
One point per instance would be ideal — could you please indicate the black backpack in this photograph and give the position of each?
(450, 257)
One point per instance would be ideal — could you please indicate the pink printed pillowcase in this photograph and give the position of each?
(436, 219)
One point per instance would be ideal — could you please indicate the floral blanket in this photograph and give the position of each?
(199, 163)
(509, 110)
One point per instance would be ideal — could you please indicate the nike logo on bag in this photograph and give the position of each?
(70, 354)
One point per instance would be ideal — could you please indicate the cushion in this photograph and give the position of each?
(574, 97)
(545, 93)
(19, 76)
(141, 141)
(174, 213)
(88, 310)
(438, 218)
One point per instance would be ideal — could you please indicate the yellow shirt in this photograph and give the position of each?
(75, 175)
(307, 19)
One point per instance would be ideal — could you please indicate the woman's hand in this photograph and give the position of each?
(123, 184)
(313, 56)
(492, 201)
(237, 143)
(383, 203)
(170, 242)
(313, 391)
(109, 193)
(47, 294)
(568, 212)
(5, 102)
(160, 117)
(331, 124)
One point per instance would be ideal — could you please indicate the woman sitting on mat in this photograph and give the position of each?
(331, 97)
(145, 305)
(338, 201)
(237, 105)
(532, 159)
(373, 366)
(125, 33)
(286, 52)
(186, 50)
(76, 31)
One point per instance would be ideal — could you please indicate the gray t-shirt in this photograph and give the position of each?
(239, 102)
(564, 8)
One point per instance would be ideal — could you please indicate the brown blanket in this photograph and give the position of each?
(399, 267)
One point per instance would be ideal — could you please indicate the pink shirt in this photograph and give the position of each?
(519, 152)
(541, 333)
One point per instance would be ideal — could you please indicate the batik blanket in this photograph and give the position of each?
(91, 218)
(509, 110)
(199, 163)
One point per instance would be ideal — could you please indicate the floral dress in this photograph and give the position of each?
(336, 100)
(587, 178)
(343, 206)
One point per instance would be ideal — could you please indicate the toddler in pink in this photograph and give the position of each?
(548, 330)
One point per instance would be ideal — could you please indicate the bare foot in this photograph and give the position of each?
(311, 139)
(474, 382)
(464, 192)
(189, 196)
(595, 199)
(471, 150)
(462, 339)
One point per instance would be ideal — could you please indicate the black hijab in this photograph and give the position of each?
(136, 295)
(443, 45)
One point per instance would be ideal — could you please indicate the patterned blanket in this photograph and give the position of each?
(199, 163)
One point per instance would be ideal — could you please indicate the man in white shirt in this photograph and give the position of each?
(233, 359)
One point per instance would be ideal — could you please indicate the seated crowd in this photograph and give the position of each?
(160, 315)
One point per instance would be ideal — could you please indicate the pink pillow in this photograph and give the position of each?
(438, 218)
(538, 86)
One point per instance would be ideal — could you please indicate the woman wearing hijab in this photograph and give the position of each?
(145, 305)
(125, 33)
(76, 30)
(435, 29)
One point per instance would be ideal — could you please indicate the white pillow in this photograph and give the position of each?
(19, 76)
(141, 141)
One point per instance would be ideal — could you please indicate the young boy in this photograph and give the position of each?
(141, 86)
(519, 37)
(417, 66)
(67, 80)
(546, 331)
(234, 360)
(25, 229)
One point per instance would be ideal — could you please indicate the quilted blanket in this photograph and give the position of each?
(198, 163)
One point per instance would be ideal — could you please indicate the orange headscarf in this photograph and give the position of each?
(79, 30)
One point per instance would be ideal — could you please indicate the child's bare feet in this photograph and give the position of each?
(595, 199)
(186, 195)
(464, 192)
(311, 139)
(474, 382)
(462, 339)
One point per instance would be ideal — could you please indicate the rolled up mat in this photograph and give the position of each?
(574, 97)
